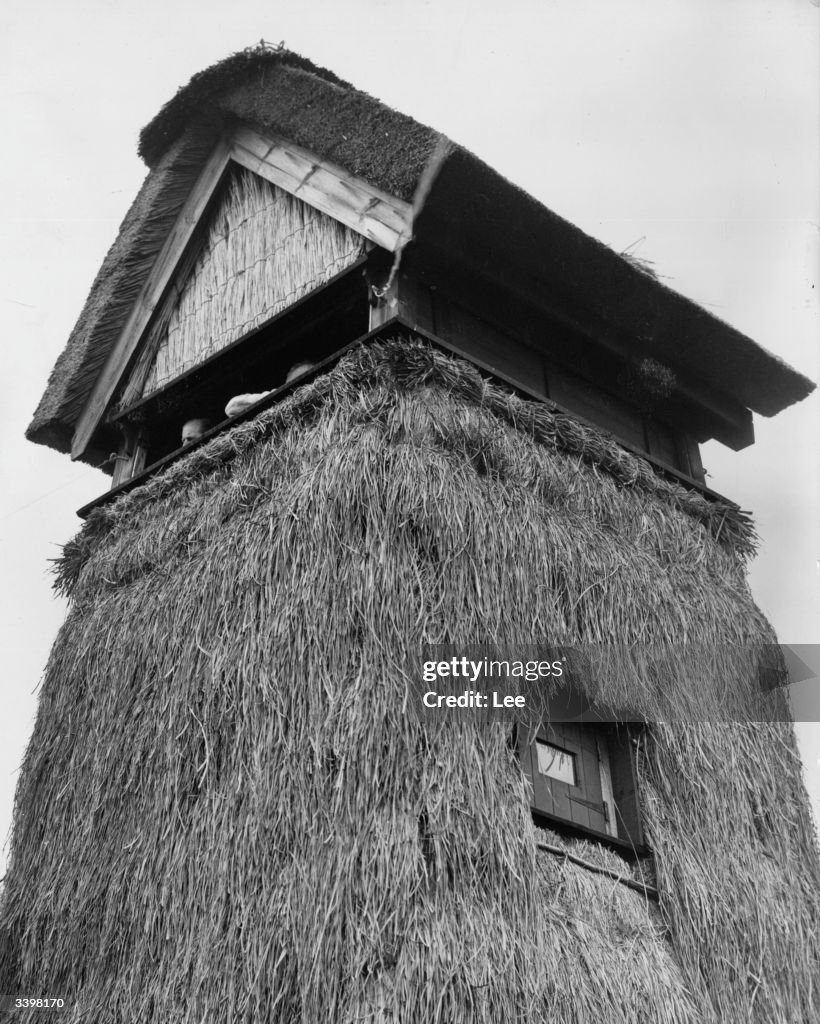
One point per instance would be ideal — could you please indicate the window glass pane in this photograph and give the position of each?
(556, 763)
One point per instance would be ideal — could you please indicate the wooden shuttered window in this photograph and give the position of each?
(584, 776)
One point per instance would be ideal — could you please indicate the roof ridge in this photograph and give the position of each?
(235, 70)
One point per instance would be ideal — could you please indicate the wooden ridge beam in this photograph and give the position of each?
(378, 216)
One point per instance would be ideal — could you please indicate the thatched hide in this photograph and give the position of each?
(226, 812)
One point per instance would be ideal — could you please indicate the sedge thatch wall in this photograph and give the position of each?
(227, 813)
(264, 250)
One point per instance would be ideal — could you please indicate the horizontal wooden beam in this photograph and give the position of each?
(151, 295)
(378, 216)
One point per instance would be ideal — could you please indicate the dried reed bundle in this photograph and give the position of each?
(227, 813)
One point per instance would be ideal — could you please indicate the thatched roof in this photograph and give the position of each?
(471, 212)
(226, 811)
(307, 104)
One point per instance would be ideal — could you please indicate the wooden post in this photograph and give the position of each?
(383, 292)
(122, 463)
(140, 456)
(132, 454)
(398, 294)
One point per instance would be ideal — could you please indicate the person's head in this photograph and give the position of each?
(297, 370)
(193, 429)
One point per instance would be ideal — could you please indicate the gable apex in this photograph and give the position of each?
(360, 207)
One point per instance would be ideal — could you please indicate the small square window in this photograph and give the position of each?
(556, 763)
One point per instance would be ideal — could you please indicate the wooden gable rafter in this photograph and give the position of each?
(379, 217)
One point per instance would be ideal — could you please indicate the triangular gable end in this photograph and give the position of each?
(261, 251)
(305, 218)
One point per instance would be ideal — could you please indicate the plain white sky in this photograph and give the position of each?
(690, 124)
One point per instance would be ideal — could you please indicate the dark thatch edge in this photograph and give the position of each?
(284, 93)
(245, 68)
(116, 287)
(412, 364)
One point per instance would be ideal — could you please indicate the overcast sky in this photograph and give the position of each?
(687, 129)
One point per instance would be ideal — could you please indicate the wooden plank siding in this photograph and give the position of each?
(574, 340)
(594, 404)
(501, 352)
(520, 352)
